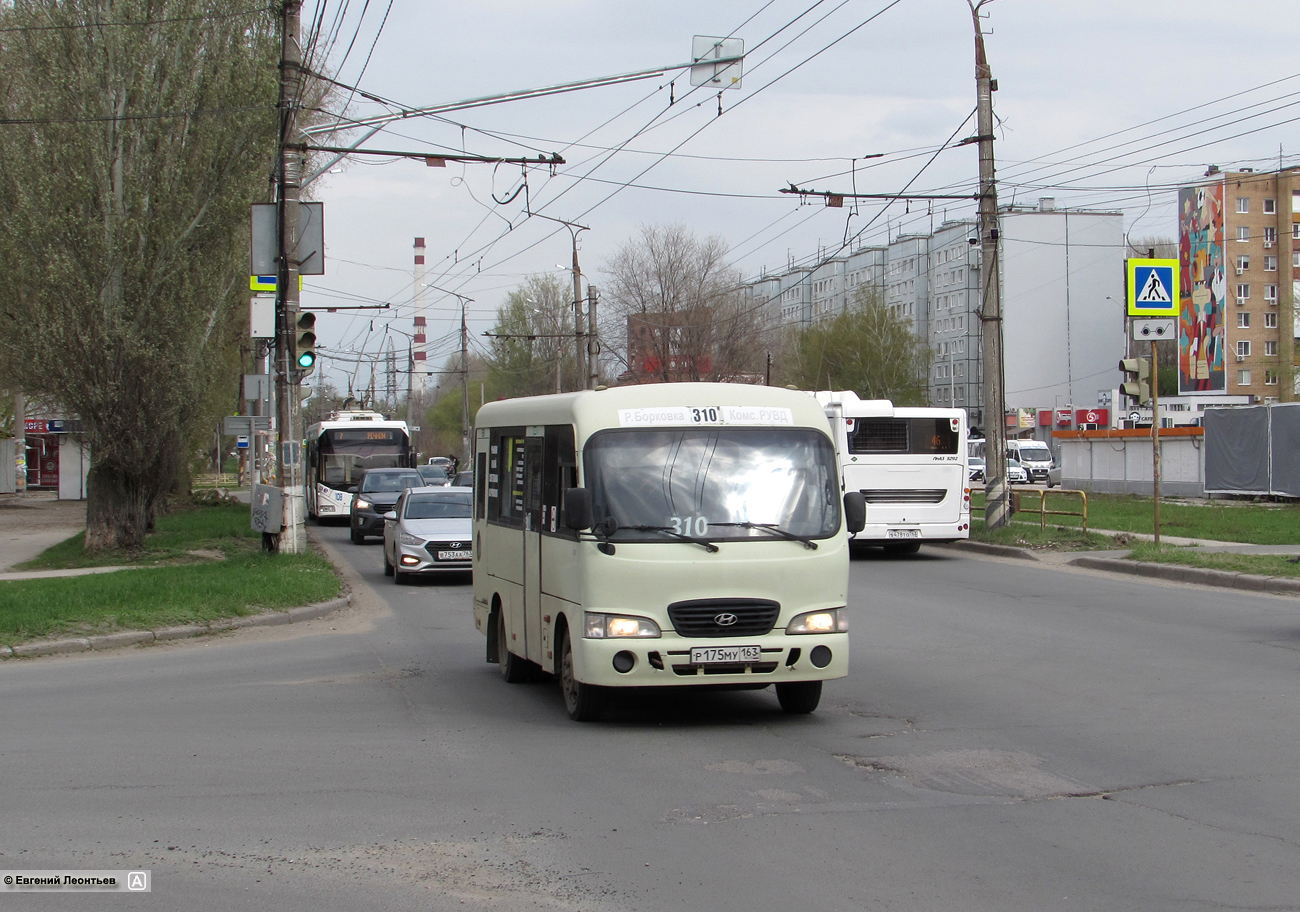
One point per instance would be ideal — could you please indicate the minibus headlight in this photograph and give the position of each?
(836, 620)
(602, 626)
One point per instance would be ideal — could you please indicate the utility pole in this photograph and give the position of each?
(465, 453)
(996, 507)
(593, 344)
(20, 444)
(292, 540)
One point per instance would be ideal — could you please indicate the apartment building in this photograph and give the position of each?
(1062, 302)
(1239, 250)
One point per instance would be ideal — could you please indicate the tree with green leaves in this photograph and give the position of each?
(135, 135)
(866, 349)
(533, 343)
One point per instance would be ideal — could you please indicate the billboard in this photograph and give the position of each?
(1203, 290)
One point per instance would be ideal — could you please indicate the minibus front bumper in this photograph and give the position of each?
(671, 660)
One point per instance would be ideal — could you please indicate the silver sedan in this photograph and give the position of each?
(429, 530)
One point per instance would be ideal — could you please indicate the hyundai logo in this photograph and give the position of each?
(726, 619)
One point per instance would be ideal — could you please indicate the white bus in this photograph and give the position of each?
(667, 534)
(910, 464)
(339, 450)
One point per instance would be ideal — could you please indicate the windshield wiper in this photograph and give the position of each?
(773, 529)
(668, 530)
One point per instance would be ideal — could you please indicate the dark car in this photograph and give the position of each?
(433, 475)
(375, 496)
(464, 479)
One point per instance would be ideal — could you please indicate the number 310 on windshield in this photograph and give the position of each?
(697, 526)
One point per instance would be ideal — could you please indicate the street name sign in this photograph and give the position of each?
(237, 425)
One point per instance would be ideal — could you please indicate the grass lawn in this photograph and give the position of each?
(1231, 521)
(1258, 564)
(230, 577)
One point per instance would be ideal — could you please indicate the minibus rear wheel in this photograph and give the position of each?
(799, 697)
(583, 701)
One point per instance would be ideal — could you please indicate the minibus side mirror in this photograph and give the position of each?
(855, 511)
(577, 509)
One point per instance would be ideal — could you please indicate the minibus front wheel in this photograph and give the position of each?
(583, 701)
(799, 697)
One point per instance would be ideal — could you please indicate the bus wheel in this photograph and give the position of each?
(514, 670)
(799, 697)
(583, 701)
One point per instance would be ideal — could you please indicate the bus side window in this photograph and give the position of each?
(505, 499)
(480, 486)
(560, 474)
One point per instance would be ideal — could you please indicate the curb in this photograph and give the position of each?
(184, 631)
(995, 550)
(1224, 579)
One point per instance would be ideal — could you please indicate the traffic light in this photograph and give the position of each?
(1137, 380)
(304, 341)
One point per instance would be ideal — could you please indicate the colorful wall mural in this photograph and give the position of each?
(1203, 309)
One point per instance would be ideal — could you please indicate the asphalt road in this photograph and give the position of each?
(1011, 737)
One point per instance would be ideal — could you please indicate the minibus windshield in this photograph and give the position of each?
(715, 484)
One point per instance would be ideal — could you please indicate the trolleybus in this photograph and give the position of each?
(340, 449)
(670, 534)
(909, 463)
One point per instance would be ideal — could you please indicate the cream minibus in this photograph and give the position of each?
(662, 535)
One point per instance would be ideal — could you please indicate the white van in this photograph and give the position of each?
(1035, 456)
(675, 534)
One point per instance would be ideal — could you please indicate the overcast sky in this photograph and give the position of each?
(1102, 104)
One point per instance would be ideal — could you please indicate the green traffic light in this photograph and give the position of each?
(306, 360)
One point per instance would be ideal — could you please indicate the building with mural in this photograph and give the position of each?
(1239, 256)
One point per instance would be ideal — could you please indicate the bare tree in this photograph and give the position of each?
(673, 310)
(137, 133)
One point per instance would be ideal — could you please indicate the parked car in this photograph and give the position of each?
(976, 468)
(1016, 473)
(375, 496)
(1054, 474)
(429, 530)
(434, 474)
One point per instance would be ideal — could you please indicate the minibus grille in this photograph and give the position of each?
(904, 495)
(712, 617)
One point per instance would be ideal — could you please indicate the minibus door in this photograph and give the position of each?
(533, 521)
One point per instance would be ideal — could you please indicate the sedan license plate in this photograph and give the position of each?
(724, 655)
(455, 555)
(903, 533)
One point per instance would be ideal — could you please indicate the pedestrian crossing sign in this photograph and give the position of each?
(1152, 288)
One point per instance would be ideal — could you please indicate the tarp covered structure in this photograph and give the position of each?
(1253, 450)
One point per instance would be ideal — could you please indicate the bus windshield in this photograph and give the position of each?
(720, 484)
(346, 454)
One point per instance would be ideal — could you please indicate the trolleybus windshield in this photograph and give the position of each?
(348, 453)
(718, 484)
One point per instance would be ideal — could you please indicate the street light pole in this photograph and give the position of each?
(578, 333)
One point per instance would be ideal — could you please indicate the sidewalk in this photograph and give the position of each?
(34, 522)
(1117, 562)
